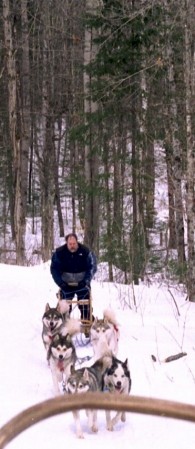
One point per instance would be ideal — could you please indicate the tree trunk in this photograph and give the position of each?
(147, 155)
(14, 139)
(189, 17)
(91, 154)
(170, 187)
(47, 159)
(177, 160)
(56, 179)
(24, 144)
(110, 248)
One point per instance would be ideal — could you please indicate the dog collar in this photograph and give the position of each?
(115, 328)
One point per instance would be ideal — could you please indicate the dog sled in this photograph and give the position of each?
(85, 323)
(75, 304)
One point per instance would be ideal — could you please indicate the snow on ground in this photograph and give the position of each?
(153, 320)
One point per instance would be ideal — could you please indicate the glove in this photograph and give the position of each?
(82, 284)
(64, 286)
(87, 283)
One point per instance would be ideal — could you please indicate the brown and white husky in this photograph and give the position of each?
(108, 328)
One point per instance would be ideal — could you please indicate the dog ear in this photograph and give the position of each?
(72, 370)
(47, 307)
(68, 338)
(86, 374)
(126, 363)
(114, 360)
(56, 337)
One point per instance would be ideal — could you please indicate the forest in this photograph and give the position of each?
(97, 105)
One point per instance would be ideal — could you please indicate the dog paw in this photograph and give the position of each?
(114, 421)
(94, 428)
(80, 436)
(123, 417)
(110, 427)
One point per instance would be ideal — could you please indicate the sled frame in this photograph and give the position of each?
(85, 324)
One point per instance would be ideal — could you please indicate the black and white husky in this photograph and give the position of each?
(61, 356)
(56, 320)
(116, 380)
(108, 328)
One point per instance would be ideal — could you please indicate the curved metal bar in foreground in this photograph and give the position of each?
(105, 401)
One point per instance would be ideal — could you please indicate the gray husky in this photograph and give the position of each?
(56, 320)
(61, 356)
(88, 379)
(116, 380)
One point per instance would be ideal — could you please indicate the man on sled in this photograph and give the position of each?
(73, 266)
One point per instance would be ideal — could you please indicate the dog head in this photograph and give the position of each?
(99, 327)
(52, 318)
(117, 377)
(78, 381)
(61, 347)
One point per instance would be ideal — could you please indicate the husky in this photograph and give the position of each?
(116, 380)
(56, 320)
(87, 379)
(61, 356)
(108, 327)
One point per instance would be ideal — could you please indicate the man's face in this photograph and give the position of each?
(72, 244)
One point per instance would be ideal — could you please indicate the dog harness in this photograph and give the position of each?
(116, 328)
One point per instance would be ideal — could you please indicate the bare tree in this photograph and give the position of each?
(19, 114)
(91, 142)
(174, 144)
(189, 69)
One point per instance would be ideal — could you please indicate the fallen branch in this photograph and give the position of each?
(171, 358)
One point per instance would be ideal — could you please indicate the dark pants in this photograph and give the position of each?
(83, 293)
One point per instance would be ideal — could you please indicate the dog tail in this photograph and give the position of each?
(72, 327)
(109, 315)
(63, 306)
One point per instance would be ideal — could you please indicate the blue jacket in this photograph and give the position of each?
(73, 267)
